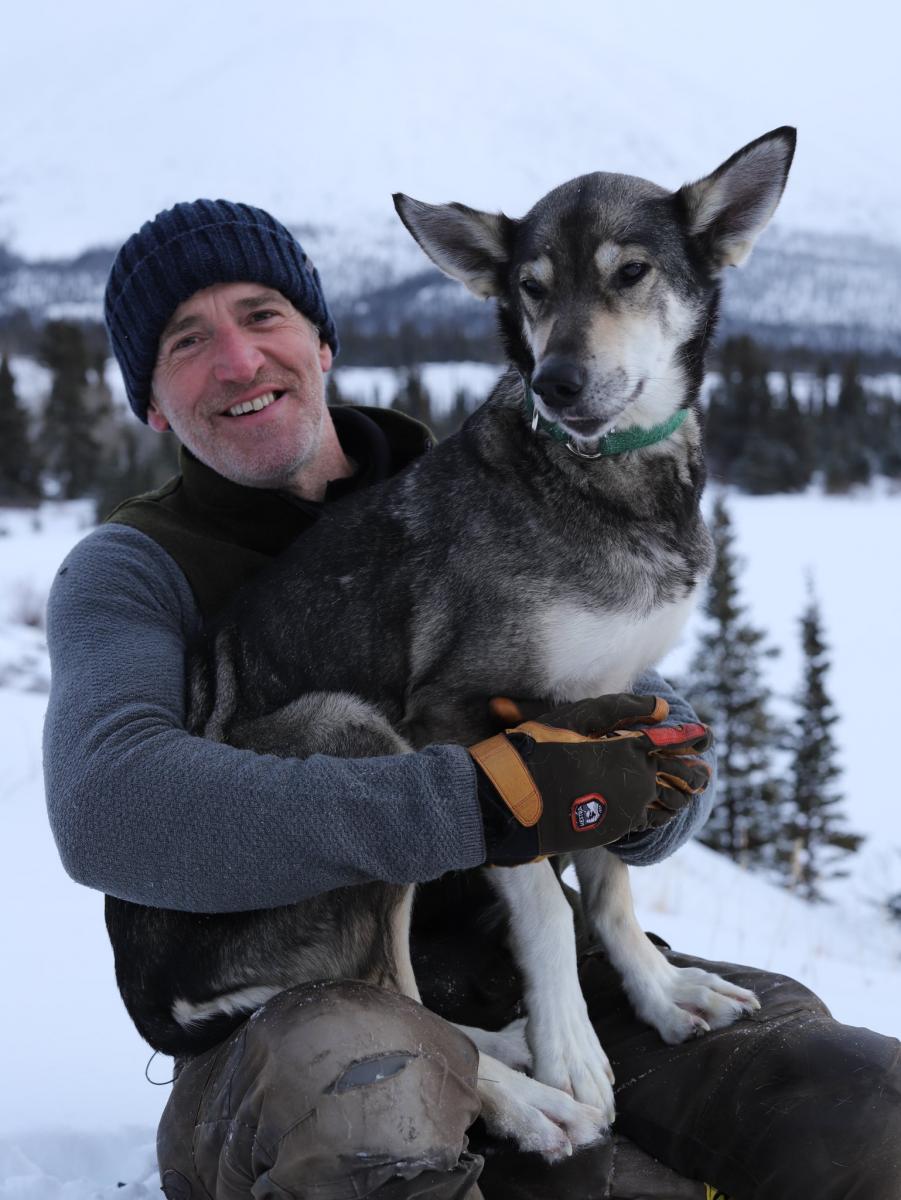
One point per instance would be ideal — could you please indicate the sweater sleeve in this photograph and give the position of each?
(148, 812)
(643, 849)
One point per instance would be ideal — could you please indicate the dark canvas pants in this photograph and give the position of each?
(329, 1091)
(785, 1105)
(342, 1091)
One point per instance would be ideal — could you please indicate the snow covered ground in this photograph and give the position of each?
(77, 1115)
(379, 385)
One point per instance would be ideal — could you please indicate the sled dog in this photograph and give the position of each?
(521, 557)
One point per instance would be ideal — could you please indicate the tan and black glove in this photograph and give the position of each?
(582, 775)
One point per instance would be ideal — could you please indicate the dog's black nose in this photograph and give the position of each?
(558, 381)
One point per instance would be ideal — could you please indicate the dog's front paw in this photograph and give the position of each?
(688, 1001)
(540, 1119)
(567, 1055)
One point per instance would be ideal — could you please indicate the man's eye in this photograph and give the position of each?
(263, 314)
(184, 343)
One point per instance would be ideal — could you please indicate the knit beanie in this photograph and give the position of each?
(194, 246)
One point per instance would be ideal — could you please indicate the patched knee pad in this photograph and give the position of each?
(340, 1085)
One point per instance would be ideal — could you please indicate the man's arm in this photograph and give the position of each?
(652, 845)
(144, 810)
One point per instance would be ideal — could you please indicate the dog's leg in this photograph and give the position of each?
(508, 1045)
(400, 947)
(565, 1049)
(680, 1002)
(540, 1119)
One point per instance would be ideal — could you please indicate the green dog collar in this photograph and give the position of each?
(612, 442)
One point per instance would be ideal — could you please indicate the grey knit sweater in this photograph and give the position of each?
(147, 812)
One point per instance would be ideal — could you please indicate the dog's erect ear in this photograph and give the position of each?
(468, 245)
(727, 210)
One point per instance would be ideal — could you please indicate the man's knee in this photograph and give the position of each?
(328, 1082)
(342, 1050)
(786, 1102)
(806, 1106)
(834, 1094)
(819, 1102)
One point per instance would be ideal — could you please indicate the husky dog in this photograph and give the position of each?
(535, 553)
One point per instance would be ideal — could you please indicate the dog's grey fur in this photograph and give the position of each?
(504, 562)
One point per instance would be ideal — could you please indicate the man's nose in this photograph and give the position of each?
(237, 358)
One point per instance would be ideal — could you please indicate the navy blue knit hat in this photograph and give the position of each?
(194, 246)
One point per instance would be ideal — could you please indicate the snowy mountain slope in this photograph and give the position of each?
(322, 112)
(76, 1112)
(492, 105)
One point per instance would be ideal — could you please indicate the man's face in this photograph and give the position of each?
(240, 380)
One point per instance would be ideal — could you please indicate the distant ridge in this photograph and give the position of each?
(827, 292)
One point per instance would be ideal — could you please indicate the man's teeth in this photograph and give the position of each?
(253, 405)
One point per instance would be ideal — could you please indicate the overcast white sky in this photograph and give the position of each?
(111, 111)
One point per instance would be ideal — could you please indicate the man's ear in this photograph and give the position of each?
(727, 211)
(155, 418)
(325, 356)
(470, 246)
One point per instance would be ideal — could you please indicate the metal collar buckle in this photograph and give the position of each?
(574, 449)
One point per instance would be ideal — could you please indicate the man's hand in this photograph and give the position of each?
(583, 775)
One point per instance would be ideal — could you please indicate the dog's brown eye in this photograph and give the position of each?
(532, 288)
(633, 271)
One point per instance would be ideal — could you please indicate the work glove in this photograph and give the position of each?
(583, 775)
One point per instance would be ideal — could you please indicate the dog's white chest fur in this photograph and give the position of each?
(589, 652)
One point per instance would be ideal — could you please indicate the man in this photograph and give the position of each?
(222, 331)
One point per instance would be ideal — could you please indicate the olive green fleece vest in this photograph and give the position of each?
(221, 533)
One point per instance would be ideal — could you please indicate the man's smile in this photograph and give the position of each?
(254, 405)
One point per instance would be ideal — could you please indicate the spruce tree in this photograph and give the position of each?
(729, 692)
(68, 442)
(143, 461)
(817, 838)
(851, 404)
(18, 470)
(792, 434)
(887, 435)
(453, 419)
(846, 458)
(413, 397)
(334, 397)
(742, 441)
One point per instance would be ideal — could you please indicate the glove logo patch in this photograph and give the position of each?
(588, 812)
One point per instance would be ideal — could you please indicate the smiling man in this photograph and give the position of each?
(221, 329)
(238, 378)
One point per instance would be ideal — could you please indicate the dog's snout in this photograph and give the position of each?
(558, 381)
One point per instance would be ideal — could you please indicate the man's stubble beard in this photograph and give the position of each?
(235, 466)
(229, 462)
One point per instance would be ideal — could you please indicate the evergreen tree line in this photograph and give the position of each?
(82, 445)
(760, 437)
(79, 445)
(413, 398)
(780, 808)
(764, 438)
